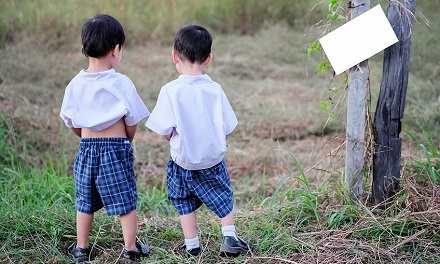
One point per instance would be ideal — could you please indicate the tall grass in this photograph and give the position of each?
(8, 156)
(34, 202)
(34, 212)
(430, 164)
(53, 21)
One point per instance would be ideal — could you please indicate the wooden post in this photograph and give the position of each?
(391, 104)
(358, 82)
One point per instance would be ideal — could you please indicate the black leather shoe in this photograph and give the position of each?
(131, 256)
(232, 247)
(188, 253)
(78, 254)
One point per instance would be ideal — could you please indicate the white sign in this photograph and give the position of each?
(358, 39)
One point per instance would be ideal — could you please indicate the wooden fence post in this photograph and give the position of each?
(391, 104)
(358, 82)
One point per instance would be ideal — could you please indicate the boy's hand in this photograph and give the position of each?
(131, 131)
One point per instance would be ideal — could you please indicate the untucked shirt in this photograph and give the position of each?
(196, 111)
(98, 100)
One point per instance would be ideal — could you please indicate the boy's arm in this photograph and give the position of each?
(168, 137)
(130, 131)
(77, 131)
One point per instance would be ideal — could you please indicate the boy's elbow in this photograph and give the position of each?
(77, 131)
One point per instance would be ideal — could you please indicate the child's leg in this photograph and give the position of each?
(232, 245)
(189, 228)
(228, 225)
(83, 226)
(129, 228)
(228, 220)
(189, 225)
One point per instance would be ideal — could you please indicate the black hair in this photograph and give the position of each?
(100, 35)
(193, 42)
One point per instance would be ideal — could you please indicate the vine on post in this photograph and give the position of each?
(336, 16)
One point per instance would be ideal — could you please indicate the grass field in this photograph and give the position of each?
(286, 167)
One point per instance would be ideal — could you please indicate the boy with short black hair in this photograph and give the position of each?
(102, 107)
(194, 114)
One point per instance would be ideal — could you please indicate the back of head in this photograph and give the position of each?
(193, 43)
(100, 35)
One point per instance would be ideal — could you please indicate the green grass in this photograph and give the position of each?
(300, 222)
(34, 212)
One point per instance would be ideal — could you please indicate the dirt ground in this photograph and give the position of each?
(267, 78)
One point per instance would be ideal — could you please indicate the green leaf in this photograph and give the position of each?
(314, 47)
(335, 17)
(332, 4)
(325, 105)
(323, 66)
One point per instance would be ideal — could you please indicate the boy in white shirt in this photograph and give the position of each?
(103, 108)
(194, 114)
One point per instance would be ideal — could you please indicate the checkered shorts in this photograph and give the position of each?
(104, 176)
(189, 189)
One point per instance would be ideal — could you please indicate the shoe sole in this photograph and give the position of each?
(228, 254)
(226, 251)
(234, 251)
(81, 259)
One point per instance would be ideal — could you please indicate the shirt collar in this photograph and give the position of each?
(97, 75)
(197, 79)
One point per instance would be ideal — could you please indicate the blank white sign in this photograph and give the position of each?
(358, 39)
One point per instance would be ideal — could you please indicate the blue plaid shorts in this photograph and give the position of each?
(104, 176)
(189, 189)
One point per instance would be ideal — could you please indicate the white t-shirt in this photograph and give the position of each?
(98, 100)
(196, 110)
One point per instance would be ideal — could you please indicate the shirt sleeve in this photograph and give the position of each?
(136, 109)
(229, 119)
(162, 119)
(63, 112)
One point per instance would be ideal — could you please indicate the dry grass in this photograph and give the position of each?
(406, 232)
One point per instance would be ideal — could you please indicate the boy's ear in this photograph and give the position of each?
(175, 56)
(208, 60)
(116, 50)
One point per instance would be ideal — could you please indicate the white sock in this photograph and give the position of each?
(229, 231)
(192, 243)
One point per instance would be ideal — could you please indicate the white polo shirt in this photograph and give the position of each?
(98, 100)
(196, 110)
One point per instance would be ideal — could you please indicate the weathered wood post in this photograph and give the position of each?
(358, 82)
(391, 103)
